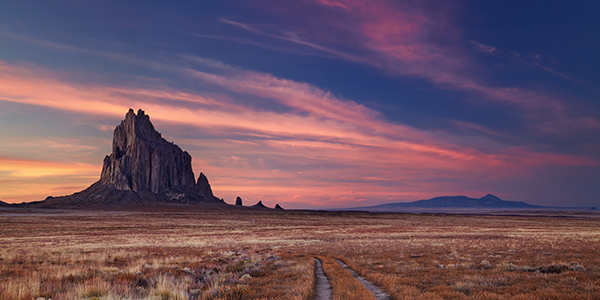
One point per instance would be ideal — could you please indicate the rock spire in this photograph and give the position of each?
(141, 160)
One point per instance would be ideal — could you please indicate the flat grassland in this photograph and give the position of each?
(254, 254)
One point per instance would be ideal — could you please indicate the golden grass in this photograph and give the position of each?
(343, 284)
(224, 255)
(481, 258)
(170, 273)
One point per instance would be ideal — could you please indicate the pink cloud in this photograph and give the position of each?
(416, 41)
(398, 39)
(321, 150)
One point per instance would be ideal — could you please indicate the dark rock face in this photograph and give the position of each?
(238, 201)
(141, 160)
(143, 168)
(277, 206)
(203, 187)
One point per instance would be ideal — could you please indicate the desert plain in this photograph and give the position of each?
(243, 253)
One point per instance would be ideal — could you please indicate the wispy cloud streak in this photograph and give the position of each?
(485, 48)
(409, 41)
(294, 38)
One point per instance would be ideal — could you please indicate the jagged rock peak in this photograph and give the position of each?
(238, 201)
(277, 206)
(132, 127)
(259, 205)
(144, 161)
(204, 187)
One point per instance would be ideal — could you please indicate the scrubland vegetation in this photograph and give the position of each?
(343, 284)
(270, 255)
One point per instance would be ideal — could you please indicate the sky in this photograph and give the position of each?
(310, 103)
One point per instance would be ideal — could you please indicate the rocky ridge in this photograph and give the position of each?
(488, 201)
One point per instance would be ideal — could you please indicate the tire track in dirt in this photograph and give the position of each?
(378, 292)
(322, 285)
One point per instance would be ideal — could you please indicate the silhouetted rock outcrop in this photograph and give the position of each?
(259, 205)
(277, 206)
(4, 204)
(143, 168)
(204, 188)
(238, 201)
(141, 160)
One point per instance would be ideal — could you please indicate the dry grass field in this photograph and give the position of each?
(251, 254)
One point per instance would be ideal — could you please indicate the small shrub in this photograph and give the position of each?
(576, 267)
(486, 264)
(165, 295)
(92, 293)
(235, 292)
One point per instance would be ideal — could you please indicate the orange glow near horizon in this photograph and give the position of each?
(24, 180)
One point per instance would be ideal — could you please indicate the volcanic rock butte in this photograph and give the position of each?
(143, 168)
(238, 201)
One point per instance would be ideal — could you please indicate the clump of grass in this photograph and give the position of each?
(92, 293)
(236, 292)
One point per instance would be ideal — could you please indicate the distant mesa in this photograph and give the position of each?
(142, 169)
(238, 201)
(4, 204)
(259, 205)
(452, 202)
(277, 206)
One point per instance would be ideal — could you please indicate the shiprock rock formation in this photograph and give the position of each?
(143, 168)
(238, 201)
(277, 206)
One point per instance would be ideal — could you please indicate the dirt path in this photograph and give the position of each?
(322, 286)
(379, 293)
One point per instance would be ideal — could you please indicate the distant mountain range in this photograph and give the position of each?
(488, 201)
